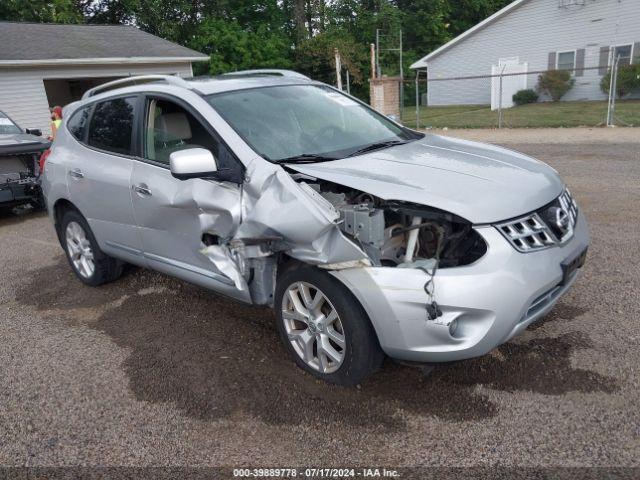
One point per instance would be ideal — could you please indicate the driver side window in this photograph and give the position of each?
(170, 128)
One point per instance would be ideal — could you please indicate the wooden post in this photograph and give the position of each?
(372, 48)
(336, 52)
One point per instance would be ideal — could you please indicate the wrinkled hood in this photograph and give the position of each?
(22, 143)
(479, 182)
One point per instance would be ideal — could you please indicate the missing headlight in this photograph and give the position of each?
(396, 233)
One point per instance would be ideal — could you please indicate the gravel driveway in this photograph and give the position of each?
(153, 371)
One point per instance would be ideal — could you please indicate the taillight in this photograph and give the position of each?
(43, 159)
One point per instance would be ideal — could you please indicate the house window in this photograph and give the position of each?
(623, 52)
(566, 61)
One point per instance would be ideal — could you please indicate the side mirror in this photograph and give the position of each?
(192, 163)
(34, 131)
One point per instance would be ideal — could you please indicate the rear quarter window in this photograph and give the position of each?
(78, 123)
(112, 125)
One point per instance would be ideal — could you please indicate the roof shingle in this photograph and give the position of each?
(49, 41)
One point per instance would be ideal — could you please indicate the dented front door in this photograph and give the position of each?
(174, 214)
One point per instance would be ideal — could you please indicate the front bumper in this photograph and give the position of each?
(493, 300)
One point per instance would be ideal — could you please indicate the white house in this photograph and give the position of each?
(533, 36)
(43, 65)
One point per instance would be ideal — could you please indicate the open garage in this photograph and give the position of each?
(43, 65)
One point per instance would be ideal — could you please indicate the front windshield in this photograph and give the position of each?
(7, 127)
(314, 121)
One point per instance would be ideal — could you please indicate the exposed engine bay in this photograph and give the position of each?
(18, 182)
(396, 234)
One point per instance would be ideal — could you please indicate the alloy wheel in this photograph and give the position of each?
(79, 249)
(313, 327)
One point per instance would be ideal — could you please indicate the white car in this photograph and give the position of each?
(367, 238)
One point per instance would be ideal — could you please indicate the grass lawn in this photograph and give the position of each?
(548, 114)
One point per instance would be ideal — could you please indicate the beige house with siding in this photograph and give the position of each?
(43, 65)
(531, 36)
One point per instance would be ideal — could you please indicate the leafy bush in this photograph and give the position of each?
(555, 83)
(522, 97)
(628, 80)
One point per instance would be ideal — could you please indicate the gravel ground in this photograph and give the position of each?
(152, 371)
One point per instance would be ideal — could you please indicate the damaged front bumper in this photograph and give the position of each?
(18, 192)
(484, 304)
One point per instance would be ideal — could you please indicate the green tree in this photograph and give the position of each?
(231, 47)
(111, 11)
(464, 14)
(53, 11)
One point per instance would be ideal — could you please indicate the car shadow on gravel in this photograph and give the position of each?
(212, 358)
(19, 215)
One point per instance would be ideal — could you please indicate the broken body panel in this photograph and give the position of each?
(19, 155)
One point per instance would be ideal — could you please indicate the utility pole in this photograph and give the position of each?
(348, 83)
(336, 52)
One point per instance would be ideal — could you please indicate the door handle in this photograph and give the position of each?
(76, 173)
(142, 189)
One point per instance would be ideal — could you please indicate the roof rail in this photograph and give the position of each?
(137, 80)
(266, 72)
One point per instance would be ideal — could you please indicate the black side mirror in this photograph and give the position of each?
(34, 131)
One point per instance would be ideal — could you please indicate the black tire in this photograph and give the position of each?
(362, 353)
(106, 268)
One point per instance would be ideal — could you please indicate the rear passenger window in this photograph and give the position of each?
(112, 124)
(77, 124)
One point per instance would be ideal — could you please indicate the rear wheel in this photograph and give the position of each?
(324, 328)
(90, 264)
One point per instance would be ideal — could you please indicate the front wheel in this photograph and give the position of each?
(324, 328)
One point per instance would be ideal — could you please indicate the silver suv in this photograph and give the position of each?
(366, 238)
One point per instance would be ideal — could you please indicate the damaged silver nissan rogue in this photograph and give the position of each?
(367, 238)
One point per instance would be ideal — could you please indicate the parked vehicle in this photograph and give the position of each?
(20, 151)
(367, 238)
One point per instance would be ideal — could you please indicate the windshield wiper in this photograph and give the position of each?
(307, 158)
(377, 146)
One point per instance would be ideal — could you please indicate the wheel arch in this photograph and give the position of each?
(61, 206)
(359, 299)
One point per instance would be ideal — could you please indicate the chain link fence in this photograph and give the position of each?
(593, 96)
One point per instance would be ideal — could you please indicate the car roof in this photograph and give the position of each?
(201, 85)
(227, 83)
